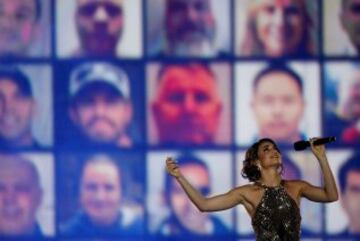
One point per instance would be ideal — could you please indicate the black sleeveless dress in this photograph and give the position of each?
(277, 217)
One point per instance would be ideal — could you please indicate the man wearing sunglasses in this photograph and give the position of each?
(99, 24)
(184, 218)
(350, 21)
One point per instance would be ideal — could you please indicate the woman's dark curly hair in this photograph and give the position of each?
(250, 170)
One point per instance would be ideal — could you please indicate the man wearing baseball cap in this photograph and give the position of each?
(100, 105)
(17, 108)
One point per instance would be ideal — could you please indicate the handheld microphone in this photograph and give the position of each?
(302, 145)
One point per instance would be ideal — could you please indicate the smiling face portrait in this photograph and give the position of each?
(100, 191)
(20, 196)
(17, 108)
(278, 28)
(268, 154)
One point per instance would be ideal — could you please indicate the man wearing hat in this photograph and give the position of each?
(100, 105)
(17, 108)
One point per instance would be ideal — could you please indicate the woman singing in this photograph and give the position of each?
(272, 203)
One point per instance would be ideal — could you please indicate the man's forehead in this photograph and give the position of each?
(180, 77)
(101, 170)
(276, 81)
(16, 171)
(84, 2)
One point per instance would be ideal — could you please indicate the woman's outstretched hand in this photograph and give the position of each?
(172, 167)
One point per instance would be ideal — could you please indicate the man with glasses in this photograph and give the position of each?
(99, 24)
(184, 218)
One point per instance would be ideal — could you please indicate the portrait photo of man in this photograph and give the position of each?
(275, 101)
(26, 195)
(191, 98)
(183, 28)
(100, 106)
(343, 216)
(99, 28)
(24, 28)
(25, 121)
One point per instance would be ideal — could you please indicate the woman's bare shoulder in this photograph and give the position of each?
(295, 184)
(247, 188)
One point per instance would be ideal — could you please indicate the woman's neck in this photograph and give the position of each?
(270, 178)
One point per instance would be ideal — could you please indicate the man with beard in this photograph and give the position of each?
(20, 197)
(99, 25)
(189, 29)
(100, 105)
(19, 20)
(187, 106)
(17, 108)
(184, 218)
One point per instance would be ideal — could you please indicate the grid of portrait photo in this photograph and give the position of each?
(95, 95)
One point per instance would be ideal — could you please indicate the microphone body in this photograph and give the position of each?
(302, 145)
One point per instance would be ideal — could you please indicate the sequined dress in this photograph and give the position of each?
(277, 217)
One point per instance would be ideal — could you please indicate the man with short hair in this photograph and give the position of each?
(278, 104)
(17, 108)
(19, 26)
(100, 105)
(100, 199)
(187, 106)
(20, 197)
(99, 25)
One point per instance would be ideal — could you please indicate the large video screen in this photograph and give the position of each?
(96, 94)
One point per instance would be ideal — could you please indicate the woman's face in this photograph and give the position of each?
(280, 26)
(269, 155)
